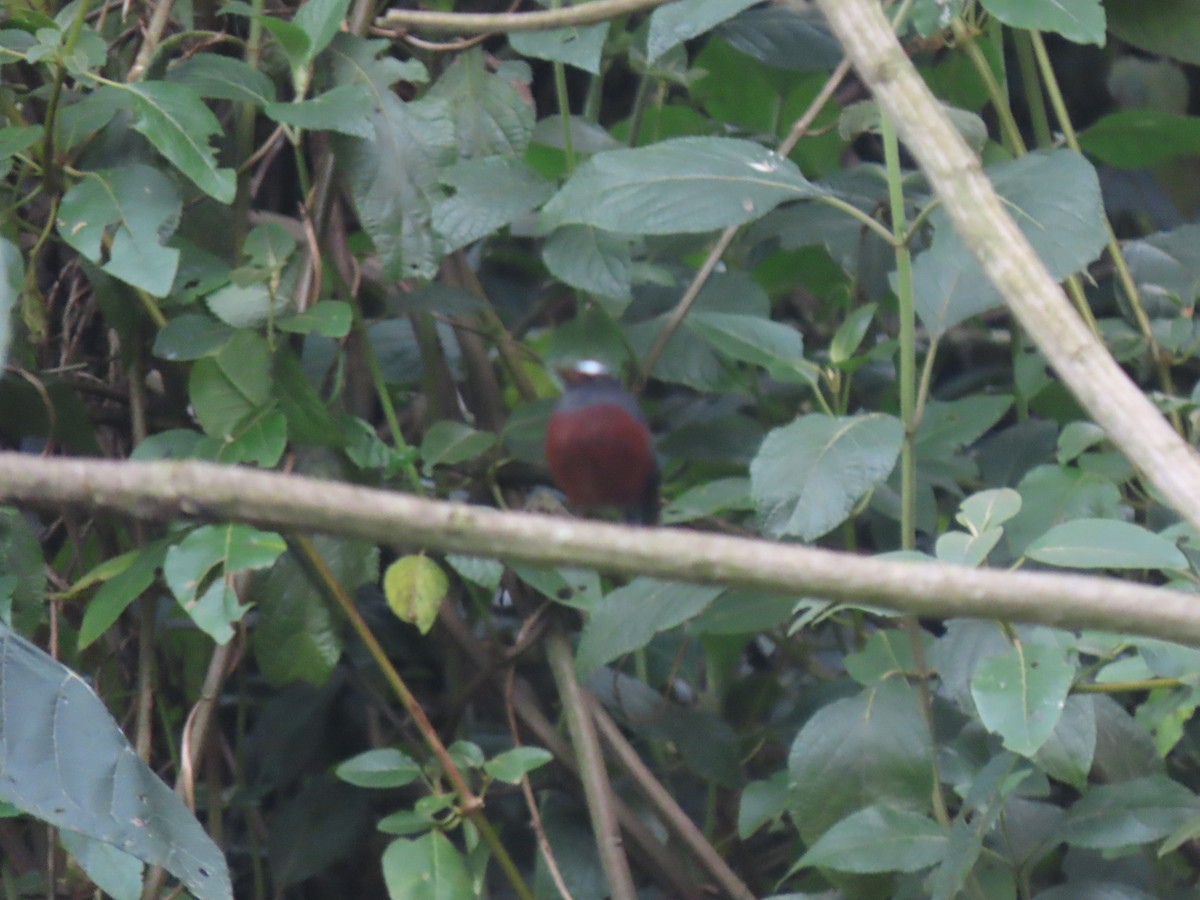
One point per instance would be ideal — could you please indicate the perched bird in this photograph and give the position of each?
(599, 446)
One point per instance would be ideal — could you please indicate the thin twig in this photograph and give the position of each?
(485, 23)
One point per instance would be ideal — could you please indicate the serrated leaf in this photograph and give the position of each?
(1054, 197)
(415, 587)
(488, 194)
(356, 60)
(172, 117)
(807, 476)
(1133, 812)
(346, 109)
(630, 616)
(879, 839)
(66, 761)
(867, 749)
(589, 259)
(297, 636)
(1105, 544)
(1020, 694)
(678, 186)
(386, 767)
(138, 208)
(490, 116)
(393, 178)
(1081, 21)
(217, 77)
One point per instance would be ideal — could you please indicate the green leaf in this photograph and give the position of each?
(217, 77)
(1167, 28)
(119, 590)
(849, 336)
(762, 802)
(1077, 437)
(1020, 694)
(64, 759)
(1054, 197)
(708, 499)
(1052, 494)
(448, 443)
(1105, 544)
(293, 40)
(784, 37)
(111, 869)
(259, 439)
(1081, 21)
(191, 336)
(21, 560)
(328, 318)
(988, 509)
(675, 23)
(319, 19)
(347, 109)
(776, 347)
(232, 384)
(872, 748)
(512, 765)
(356, 60)
(393, 178)
(12, 278)
(415, 587)
(383, 768)
(879, 839)
(591, 260)
(1112, 816)
(1140, 138)
(138, 207)
(678, 186)
(490, 116)
(886, 654)
(488, 194)
(579, 47)
(297, 637)
(743, 612)
(958, 548)
(172, 117)
(211, 601)
(1070, 750)
(807, 476)
(630, 616)
(18, 138)
(427, 868)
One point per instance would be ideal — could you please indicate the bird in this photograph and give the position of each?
(599, 445)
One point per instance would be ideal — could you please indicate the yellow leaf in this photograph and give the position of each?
(415, 587)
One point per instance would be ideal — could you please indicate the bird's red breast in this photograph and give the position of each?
(600, 449)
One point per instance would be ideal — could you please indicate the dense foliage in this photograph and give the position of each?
(279, 236)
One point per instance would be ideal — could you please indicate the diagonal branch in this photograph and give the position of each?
(1115, 403)
(170, 490)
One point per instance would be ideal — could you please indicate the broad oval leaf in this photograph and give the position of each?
(630, 616)
(425, 868)
(1140, 138)
(675, 23)
(879, 839)
(511, 765)
(64, 760)
(807, 476)
(678, 186)
(1054, 198)
(1081, 21)
(1020, 694)
(415, 587)
(1105, 544)
(1134, 812)
(386, 767)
